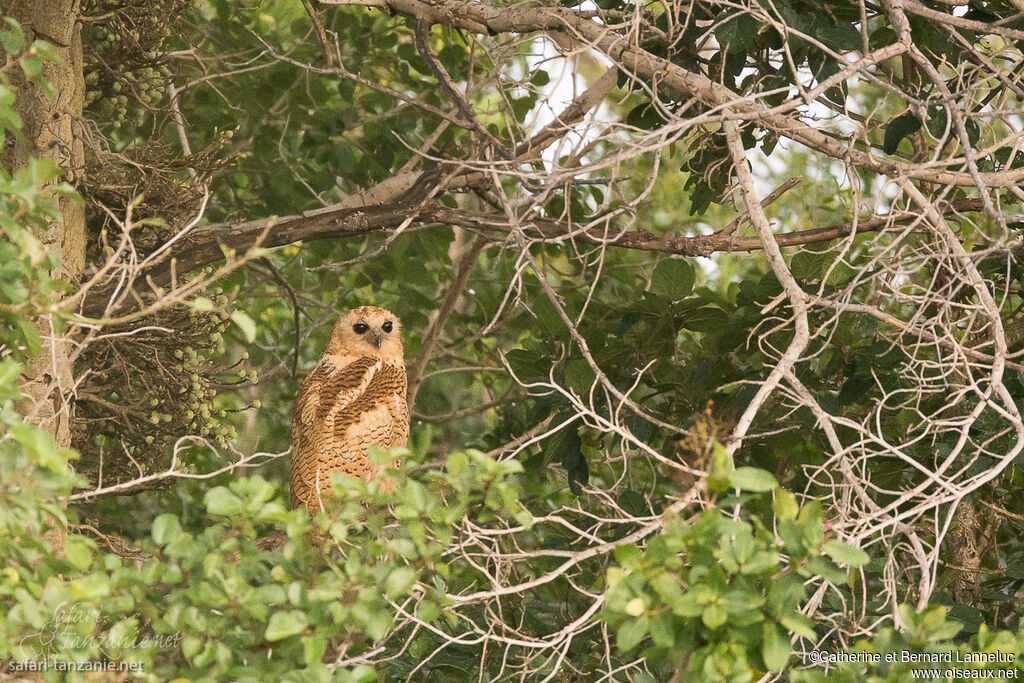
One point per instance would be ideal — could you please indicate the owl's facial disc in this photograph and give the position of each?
(368, 330)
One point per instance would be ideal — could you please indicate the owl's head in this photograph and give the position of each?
(368, 331)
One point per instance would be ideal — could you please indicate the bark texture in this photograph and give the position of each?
(50, 126)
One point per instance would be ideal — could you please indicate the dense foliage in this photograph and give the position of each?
(660, 432)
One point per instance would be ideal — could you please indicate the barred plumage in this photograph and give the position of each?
(353, 399)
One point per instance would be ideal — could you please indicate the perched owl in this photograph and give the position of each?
(353, 399)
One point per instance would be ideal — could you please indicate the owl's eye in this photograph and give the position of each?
(360, 328)
(388, 326)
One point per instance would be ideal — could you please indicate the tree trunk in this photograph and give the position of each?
(49, 127)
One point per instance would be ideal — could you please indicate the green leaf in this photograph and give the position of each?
(9, 371)
(123, 631)
(90, 587)
(844, 553)
(12, 38)
(775, 649)
(908, 615)
(40, 445)
(761, 561)
(221, 501)
(811, 523)
(635, 607)
(30, 335)
(900, 127)
(720, 469)
(313, 648)
(628, 555)
(662, 632)
(713, 616)
(77, 551)
(631, 633)
(687, 606)
(399, 582)
(799, 624)
(645, 117)
(753, 479)
(379, 623)
(165, 528)
(428, 610)
(937, 121)
(45, 50)
(522, 106)
(575, 463)
(452, 57)
(190, 646)
(933, 617)
(364, 673)
(32, 66)
(739, 601)
(973, 131)
(667, 588)
(737, 34)
(285, 624)
(673, 278)
(821, 566)
(245, 324)
(841, 37)
(201, 304)
(785, 505)
(807, 266)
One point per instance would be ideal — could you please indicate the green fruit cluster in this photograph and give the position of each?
(123, 76)
(168, 379)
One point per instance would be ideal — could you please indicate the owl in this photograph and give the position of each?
(353, 399)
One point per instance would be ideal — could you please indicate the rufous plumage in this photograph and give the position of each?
(353, 399)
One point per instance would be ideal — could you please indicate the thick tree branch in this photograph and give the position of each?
(697, 245)
(209, 244)
(381, 207)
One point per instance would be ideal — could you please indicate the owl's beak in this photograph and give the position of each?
(377, 339)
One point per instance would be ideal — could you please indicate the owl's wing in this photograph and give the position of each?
(399, 410)
(378, 417)
(327, 390)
